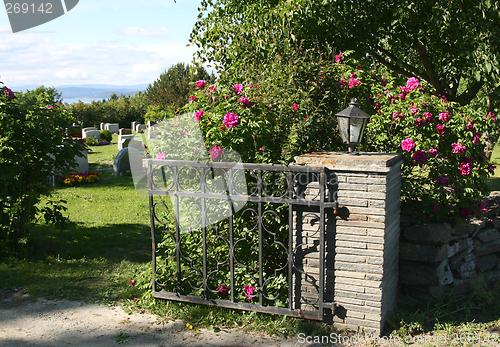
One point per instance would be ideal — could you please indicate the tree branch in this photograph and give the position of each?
(432, 77)
(395, 60)
(390, 65)
(470, 93)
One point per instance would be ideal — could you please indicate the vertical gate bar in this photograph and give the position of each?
(290, 239)
(204, 230)
(321, 241)
(231, 237)
(152, 221)
(261, 251)
(177, 228)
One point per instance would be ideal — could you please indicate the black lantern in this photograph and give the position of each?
(352, 122)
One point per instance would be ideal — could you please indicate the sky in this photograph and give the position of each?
(118, 42)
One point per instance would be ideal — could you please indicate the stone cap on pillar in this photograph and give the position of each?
(341, 161)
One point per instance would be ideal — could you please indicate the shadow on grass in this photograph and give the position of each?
(113, 242)
(476, 303)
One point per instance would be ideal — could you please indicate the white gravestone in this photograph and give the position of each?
(140, 128)
(113, 128)
(82, 162)
(92, 133)
(85, 130)
(124, 140)
(133, 125)
(102, 126)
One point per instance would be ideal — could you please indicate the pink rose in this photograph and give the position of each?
(338, 57)
(443, 181)
(465, 168)
(492, 116)
(231, 120)
(295, 107)
(200, 84)
(412, 83)
(216, 152)
(238, 88)
(476, 139)
(444, 116)
(248, 292)
(433, 152)
(419, 156)
(407, 145)
(353, 81)
(457, 148)
(470, 126)
(440, 129)
(212, 88)
(198, 115)
(414, 110)
(428, 116)
(192, 98)
(161, 156)
(8, 93)
(396, 115)
(223, 289)
(402, 96)
(245, 101)
(419, 122)
(342, 83)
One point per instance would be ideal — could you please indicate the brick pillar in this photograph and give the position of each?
(362, 272)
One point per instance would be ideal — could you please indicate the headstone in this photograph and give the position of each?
(124, 140)
(85, 130)
(92, 133)
(82, 162)
(140, 128)
(102, 126)
(124, 131)
(113, 128)
(121, 164)
(133, 125)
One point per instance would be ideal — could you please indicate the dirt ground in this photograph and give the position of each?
(43, 323)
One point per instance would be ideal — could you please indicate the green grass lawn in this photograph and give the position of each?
(95, 256)
(108, 242)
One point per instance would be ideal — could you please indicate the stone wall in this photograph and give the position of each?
(437, 256)
(362, 251)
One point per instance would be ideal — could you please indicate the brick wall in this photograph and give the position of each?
(362, 252)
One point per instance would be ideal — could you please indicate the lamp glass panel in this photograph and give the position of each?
(357, 128)
(343, 123)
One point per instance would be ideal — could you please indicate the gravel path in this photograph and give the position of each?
(37, 323)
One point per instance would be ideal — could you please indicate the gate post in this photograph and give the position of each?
(362, 276)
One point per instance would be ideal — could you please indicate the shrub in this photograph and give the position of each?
(444, 146)
(106, 135)
(32, 147)
(91, 141)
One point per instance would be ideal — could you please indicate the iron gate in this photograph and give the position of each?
(216, 227)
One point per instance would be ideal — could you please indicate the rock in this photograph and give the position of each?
(419, 274)
(464, 229)
(488, 248)
(121, 164)
(488, 235)
(436, 233)
(486, 263)
(459, 246)
(423, 253)
(496, 222)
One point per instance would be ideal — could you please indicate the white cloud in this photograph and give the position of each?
(145, 32)
(32, 59)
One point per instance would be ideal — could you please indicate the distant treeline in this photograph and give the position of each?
(165, 96)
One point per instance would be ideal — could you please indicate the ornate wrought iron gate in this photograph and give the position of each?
(223, 234)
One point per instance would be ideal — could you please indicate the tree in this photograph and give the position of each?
(171, 90)
(32, 147)
(453, 45)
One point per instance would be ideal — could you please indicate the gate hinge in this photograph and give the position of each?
(331, 306)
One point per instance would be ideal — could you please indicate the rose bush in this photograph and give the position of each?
(445, 146)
